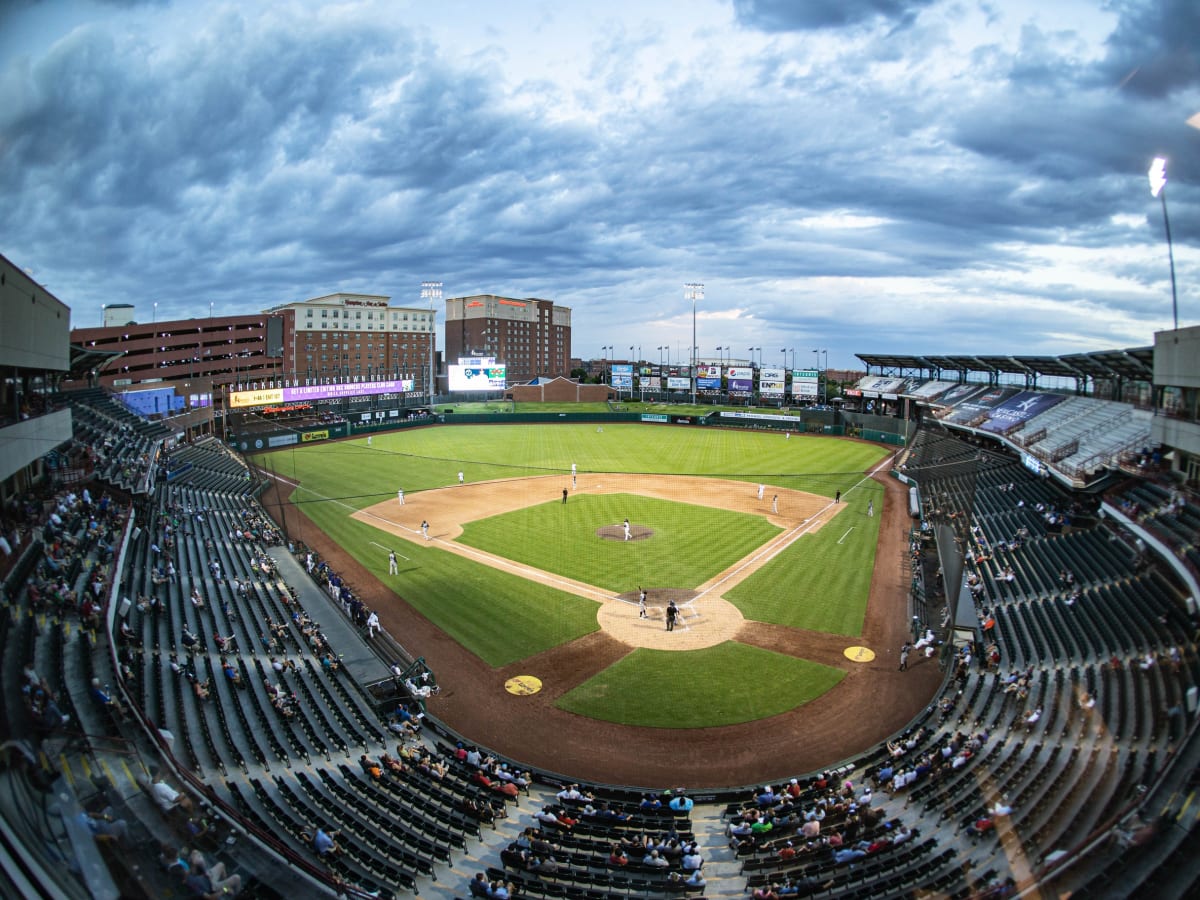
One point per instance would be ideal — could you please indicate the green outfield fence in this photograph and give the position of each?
(878, 429)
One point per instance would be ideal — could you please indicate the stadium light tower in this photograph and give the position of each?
(693, 291)
(1158, 188)
(432, 291)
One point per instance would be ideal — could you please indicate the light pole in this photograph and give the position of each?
(824, 387)
(752, 349)
(693, 291)
(604, 376)
(1158, 188)
(154, 318)
(432, 291)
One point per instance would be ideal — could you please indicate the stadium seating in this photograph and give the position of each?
(1108, 659)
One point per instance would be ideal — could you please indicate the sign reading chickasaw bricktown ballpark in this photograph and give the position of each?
(266, 396)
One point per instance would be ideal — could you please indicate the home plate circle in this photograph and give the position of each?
(859, 654)
(524, 685)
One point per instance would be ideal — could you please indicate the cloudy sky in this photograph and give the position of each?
(856, 175)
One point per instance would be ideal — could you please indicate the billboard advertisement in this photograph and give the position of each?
(622, 376)
(771, 382)
(806, 383)
(741, 379)
(708, 378)
(1018, 410)
(476, 378)
(266, 396)
(977, 406)
(675, 383)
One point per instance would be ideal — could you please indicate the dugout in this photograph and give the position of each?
(963, 621)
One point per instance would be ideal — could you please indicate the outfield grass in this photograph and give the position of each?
(722, 685)
(823, 581)
(497, 616)
(420, 459)
(503, 618)
(682, 552)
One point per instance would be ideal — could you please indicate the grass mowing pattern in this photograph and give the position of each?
(683, 552)
(821, 582)
(420, 459)
(503, 618)
(497, 616)
(722, 685)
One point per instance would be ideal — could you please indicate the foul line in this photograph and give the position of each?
(765, 554)
(844, 536)
(390, 550)
(495, 562)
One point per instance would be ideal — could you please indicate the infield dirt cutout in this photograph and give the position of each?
(873, 701)
(706, 618)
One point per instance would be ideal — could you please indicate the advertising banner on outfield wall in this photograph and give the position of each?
(708, 378)
(241, 399)
(771, 382)
(806, 383)
(741, 379)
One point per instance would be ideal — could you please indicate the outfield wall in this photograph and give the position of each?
(878, 429)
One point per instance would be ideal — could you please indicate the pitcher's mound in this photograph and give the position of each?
(617, 532)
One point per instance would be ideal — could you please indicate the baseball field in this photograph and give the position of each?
(756, 555)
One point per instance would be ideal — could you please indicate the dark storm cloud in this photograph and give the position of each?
(1155, 48)
(262, 160)
(804, 15)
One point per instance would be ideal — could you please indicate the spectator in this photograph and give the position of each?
(210, 881)
(324, 843)
(105, 700)
(680, 803)
(166, 797)
(104, 824)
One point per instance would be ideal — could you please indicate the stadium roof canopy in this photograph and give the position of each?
(85, 360)
(1049, 365)
(891, 361)
(1132, 364)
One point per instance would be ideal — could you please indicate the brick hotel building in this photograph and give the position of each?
(531, 337)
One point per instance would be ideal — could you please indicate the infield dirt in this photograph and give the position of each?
(873, 700)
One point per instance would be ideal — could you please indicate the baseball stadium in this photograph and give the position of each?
(936, 641)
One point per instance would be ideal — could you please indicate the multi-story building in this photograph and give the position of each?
(531, 337)
(228, 350)
(1176, 423)
(344, 336)
(333, 338)
(34, 354)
